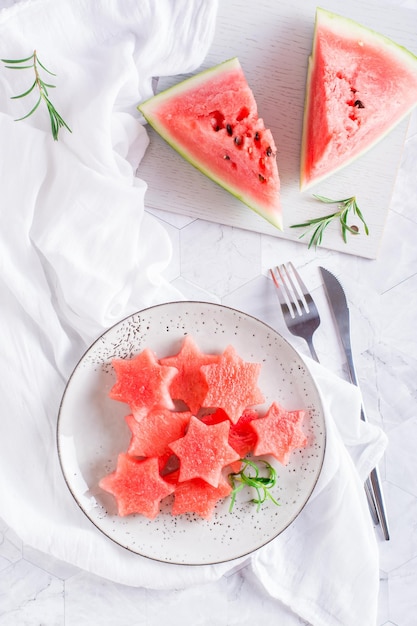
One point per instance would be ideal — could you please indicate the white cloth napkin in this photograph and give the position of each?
(78, 252)
(325, 566)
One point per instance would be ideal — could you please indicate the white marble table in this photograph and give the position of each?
(224, 264)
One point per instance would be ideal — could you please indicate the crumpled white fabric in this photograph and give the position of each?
(78, 253)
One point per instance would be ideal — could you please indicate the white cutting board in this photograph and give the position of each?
(272, 40)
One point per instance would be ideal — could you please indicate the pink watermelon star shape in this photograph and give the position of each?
(204, 451)
(232, 384)
(153, 432)
(197, 496)
(142, 383)
(242, 437)
(189, 384)
(137, 486)
(278, 433)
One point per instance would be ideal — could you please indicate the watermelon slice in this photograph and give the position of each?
(158, 428)
(211, 119)
(137, 486)
(232, 384)
(142, 383)
(278, 433)
(204, 451)
(197, 496)
(360, 85)
(189, 384)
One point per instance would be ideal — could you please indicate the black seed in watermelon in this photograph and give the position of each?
(213, 114)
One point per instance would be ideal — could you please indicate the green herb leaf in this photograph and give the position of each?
(22, 95)
(44, 68)
(17, 60)
(55, 118)
(31, 111)
(318, 225)
(249, 477)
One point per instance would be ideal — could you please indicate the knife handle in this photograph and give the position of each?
(371, 501)
(373, 484)
(379, 502)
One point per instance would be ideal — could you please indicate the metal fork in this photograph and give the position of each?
(302, 319)
(298, 307)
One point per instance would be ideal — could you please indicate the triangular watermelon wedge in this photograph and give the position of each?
(360, 85)
(211, 119)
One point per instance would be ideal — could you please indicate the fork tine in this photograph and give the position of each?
(283, 298)
(310, 304)
(297, 305)
(289, 293)
(299, 301)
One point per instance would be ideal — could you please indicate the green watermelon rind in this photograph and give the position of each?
(349, 26)
(148, 106)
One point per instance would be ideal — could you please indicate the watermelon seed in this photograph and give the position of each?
(359, 104)
(229, 129)
(238, 140)
(262, 178)
(257, 136)
(226, 157)
(268, 151)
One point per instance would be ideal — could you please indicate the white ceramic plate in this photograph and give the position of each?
(92, 432)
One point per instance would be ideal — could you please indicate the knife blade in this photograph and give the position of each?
(340, 309)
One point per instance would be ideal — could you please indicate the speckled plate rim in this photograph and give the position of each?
(187, 539)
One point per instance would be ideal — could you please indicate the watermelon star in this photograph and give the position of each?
(153, 432)
(137, 486)
(279, 433)
(197, 496)
(204, 451)
(242, 437)
(232, 384)
(189, 383)
(142, 383)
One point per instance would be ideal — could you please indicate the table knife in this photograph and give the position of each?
(339, 306)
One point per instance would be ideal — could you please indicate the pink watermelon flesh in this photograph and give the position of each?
(142, 383)
(176, 452)
(152, 434)
(241, 436)
(204, 451)
(211, 119)
(137, 486)
(189, 384)
(360, 85)
(197, 496)
(232, 384)
(278, 433)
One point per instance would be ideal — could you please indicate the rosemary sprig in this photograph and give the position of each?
(34, 62)
(319, 224)
(249, 476)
